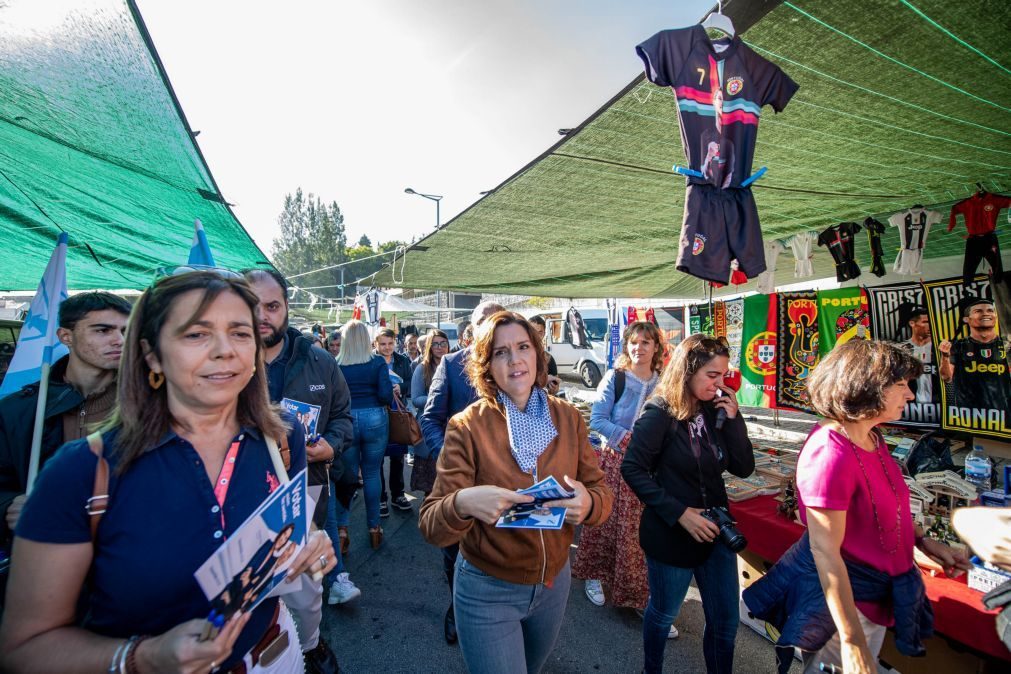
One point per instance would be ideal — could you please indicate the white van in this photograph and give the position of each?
(590, 362)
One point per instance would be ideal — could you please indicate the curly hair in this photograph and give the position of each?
(479, 363)
(653, 334)
(688, 357)
(849, 383)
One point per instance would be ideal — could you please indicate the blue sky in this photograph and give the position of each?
(355, 101)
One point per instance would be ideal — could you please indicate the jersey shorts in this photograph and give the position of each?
(720, 225)
(908, 261)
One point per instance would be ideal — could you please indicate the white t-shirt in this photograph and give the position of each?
(801, 245)
(767, 279)
(914, 224)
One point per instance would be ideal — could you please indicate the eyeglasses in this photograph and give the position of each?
(177, 270)
(440, 344)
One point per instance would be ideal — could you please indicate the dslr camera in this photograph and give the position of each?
(729, 535)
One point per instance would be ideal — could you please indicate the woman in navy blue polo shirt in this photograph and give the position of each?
(192, 391)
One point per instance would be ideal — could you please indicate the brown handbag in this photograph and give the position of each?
(404, 428)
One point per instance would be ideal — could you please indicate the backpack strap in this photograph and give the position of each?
(619, 384)
(99, 501)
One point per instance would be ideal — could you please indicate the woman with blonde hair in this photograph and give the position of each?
(185, 455)
(511, 584)
(609, 556)
(685, 438)
(368, 380)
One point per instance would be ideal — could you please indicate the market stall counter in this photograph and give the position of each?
(958, 612)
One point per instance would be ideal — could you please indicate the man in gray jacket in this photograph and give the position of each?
(307, 381)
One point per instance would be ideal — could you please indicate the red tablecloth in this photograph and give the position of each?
(958, 612)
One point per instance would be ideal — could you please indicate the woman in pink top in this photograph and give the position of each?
(854, 500)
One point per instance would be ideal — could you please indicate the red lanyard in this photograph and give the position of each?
(224, 480)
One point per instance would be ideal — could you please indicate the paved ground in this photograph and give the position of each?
(396, 626)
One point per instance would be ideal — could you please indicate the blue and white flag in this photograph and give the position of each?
(200, 251)
(37, 343)
(614, 316)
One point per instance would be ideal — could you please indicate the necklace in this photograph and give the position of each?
(870, 491)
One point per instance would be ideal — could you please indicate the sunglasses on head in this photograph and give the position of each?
(713, 346)
(179, 269)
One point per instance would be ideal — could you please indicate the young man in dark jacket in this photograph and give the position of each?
(306, 380)
(399, 365)
(82, 393)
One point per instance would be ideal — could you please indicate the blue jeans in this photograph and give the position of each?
(504, 627)
(718, 585)
(371, 430)
(331, 530)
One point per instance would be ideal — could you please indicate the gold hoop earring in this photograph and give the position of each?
(155, 379)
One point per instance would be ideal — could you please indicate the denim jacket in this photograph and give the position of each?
(791, 598)
(614, 420)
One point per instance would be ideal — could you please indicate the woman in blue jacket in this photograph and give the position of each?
(368, 379)
(609, 555)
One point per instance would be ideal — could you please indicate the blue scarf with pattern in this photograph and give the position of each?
(530, 432)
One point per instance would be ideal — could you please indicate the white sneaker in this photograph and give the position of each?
(594, 592)
(673, 634)
(343, 590)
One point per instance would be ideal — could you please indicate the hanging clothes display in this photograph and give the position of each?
(767, 279)
(980, 212)
(874, 231)
(801, 245)
(720, 87)
(914, 224)
(577, 329)
(372, 313)
(839, 239)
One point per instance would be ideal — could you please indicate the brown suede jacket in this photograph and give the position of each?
(476, 452)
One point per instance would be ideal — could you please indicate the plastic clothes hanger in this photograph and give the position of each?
(719, 21)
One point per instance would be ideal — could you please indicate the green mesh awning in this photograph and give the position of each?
(900, 103)
(93, 142)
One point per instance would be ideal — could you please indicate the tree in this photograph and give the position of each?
(312, 236)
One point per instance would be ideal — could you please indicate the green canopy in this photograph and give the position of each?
(900, 103)
(93, 142)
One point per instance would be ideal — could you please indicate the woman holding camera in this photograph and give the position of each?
(686, 436)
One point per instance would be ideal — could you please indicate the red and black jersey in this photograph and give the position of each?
(720, 94)
(841, 244)
(980, 212)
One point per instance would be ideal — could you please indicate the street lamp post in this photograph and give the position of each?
(438, 223)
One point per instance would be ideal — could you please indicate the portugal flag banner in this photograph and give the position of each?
(758, 352)
(798, 348)
(842, 316)
(976, 390)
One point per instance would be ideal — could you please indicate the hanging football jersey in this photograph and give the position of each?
(720, 94)
(767, 279)
(841, 244)
(914, 224)
(980, 212)
(801, 245)
(372, 314)
(874, 231)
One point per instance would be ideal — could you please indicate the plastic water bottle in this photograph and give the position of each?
(977, 469)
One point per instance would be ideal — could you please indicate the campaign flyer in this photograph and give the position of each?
(305, 414)
(254, 559)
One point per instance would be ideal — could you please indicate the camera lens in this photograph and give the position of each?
(733, 538)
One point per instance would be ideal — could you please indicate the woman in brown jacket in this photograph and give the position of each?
(512, 585)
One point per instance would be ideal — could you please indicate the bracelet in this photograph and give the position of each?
(130, 655)
(121, 662)
(114, 665)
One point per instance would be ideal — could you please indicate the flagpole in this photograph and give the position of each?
(40, 419)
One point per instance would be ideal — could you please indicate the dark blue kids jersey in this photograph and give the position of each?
(719, 95)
